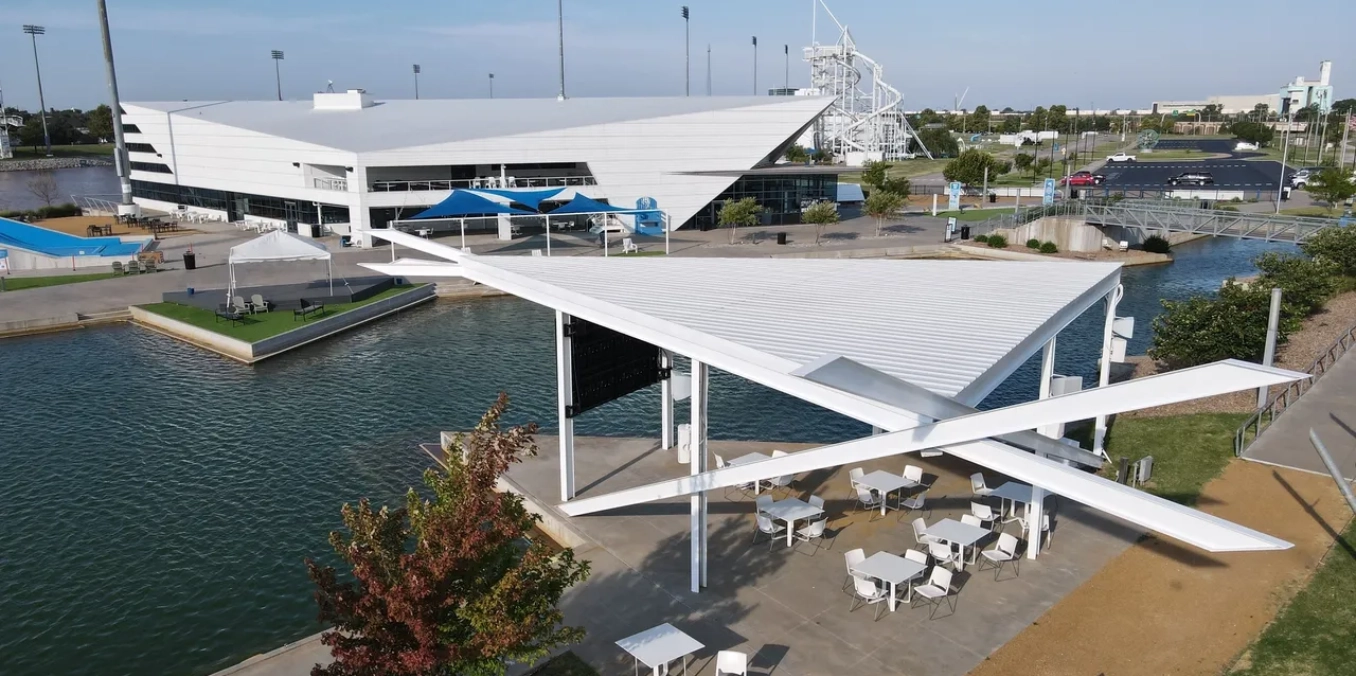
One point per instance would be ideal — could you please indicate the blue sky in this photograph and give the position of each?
(1111, 54)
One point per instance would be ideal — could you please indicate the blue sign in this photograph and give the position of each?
(1049, 192)
(953, 196)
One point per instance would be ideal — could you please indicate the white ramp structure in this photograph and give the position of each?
(865, 121)
(909, 347)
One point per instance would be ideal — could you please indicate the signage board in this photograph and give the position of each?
(1049, 197)
(953, 192)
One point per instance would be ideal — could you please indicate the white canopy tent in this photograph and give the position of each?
(278, 246)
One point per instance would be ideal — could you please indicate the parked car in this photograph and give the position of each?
(1083, 178)
(1192, 178)
(1244, 145)
(1120, 157)
(1300, 179)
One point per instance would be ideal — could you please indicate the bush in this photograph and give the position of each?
(981, 239)
(1202, 330)
(1156, 244)
(1336, 245)
(1033, 243)
(1049, 248)
(998, 242)
(57, 211)
(1305, 283)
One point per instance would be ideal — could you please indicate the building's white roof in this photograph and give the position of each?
(408, 123)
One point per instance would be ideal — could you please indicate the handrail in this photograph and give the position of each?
(425, 185)
(1266, 416)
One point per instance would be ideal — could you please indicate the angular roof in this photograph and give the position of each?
(408, 123)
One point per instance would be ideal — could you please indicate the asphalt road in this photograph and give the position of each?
(1231, 173)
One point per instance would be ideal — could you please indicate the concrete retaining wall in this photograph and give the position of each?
(1069, 233)
(204, 338)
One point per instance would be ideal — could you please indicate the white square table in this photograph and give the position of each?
(960, 534)
(789, 510)
(750, 458)
(658, 646)
(885, 483)
(887, 567)
(1013, 492)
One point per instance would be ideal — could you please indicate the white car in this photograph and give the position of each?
(1120, 157)
(1244, 145)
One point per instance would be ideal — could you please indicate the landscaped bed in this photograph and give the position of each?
(258, 326)
(20, 283)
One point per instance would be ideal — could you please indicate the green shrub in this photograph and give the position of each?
(1202, 330)
(998, 242)
(1156, 244)
(57, 211)
(1049, 248)
(1306, 283)
(1033, 243)
(1334, 244)
(981, 239)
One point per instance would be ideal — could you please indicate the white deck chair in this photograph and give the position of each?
(783, 481)
(768, 527)
(815, 501)
(977, 485)
(814, 531)
(937, 590)
(920, 533)
(1045, 530)
(917, 557)
(866, 592)
(867, 498)
(918, 502)
(984, 512)
(1002, 552)
(942, 554)
(851, 558)
(762, 503)
(629, 246)
(732, 663)
(971, 520)
(913, 473)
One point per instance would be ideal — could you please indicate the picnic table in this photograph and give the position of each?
(790, 510)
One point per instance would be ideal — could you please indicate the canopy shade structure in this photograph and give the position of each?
(465, 204)
(278, 246)
(954, 329)
(529, 198)
(587, 205)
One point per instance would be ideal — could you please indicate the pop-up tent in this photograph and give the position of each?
(278, 246)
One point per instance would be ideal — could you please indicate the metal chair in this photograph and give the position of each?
(937, 590)
(984, 512)
(1003, 551)
(732, 663)
(917, 502)
(977, 485)
(867, 592)
(766, 526)
(851, 558)
(867, 498)
(814, 531)
(920, 533)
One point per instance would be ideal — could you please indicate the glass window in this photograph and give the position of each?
(153, 167)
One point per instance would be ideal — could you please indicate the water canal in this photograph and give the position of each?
(159, 501)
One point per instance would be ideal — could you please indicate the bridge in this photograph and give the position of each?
(1172, 216)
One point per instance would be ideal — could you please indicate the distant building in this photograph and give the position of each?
(1301, 94)
(1294, 96)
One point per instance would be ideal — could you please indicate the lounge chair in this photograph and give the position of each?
(230, 314)
(118, 269)
(308, 308)
(239, 302)
(259, 303)
(133, 268)
(148, 265)
(628, 246)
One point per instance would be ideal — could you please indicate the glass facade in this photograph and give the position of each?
(782, 196)
(153, 167)
(237, 205)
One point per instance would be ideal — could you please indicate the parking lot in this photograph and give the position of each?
(1232, 173)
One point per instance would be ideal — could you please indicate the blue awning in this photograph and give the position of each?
(463, 204)
(585, 205)
(531, 198)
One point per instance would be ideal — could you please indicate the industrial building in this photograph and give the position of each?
(1298, 94)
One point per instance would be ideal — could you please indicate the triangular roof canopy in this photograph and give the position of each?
(278, 245)
(582, 204)
(464, 204)
(531, 198)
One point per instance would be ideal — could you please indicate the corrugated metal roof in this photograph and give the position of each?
(409, 123)
(937, 324)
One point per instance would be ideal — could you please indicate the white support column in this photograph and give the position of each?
(1036, 510)
(699, 506)
(666, 401)
(565, 397)
(1047, 376)
(1104, 378)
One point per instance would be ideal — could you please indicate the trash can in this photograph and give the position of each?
(781, 238)
(965, 232)
(993, 198)
(190, 260)
(190, 291)
(1285, 193)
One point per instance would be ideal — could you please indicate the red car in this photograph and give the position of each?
(1083, 178)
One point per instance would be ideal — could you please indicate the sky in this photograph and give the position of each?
(1112, 55)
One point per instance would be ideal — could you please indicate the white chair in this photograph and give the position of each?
(1002, 552)
(742, 489)
(913, 473)
(814, 531)
(937, 589)
(816, 501)
(780, 481)
(866, 498)
(917, 557)
(1045, 530)
(768, 527)
(971, 520)
(855, 474)
(866, 592)
(762, 503)
(536, 252)
(629, 246)
(917, 502)
(977, 485)
(732, 663)
(852, 558)
(920, 533)
(984, 512)
(942, 554)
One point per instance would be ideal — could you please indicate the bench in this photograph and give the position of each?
(308, 308)
(231, 315)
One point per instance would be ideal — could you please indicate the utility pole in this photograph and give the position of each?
(34, 32)
(119, 142)
(708, 69)
(560, 29)
(1341, 157)
(755, 65)
(687, 53)
(277, 71)
(416, 82)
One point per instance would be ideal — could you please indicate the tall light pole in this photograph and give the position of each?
(34, 32)
(277, 71)
(755, 65)
(708, 69)
(1285, 154)
(560, 28)
(786, 77)
(119, 142)
(491, 85)
(687, 54)
(416, 82)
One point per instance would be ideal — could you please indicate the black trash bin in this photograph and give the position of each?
(965, 232)
(190, 260)
(781, 238)
(993, 198)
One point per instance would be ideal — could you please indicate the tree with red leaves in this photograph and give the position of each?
(450, 584)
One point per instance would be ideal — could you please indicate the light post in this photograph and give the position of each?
(491, 85)
(687, 54)
(560, 29)
(755, 65)
(708, 69)
(34, 32)
(119, 141)
(1285, 153)
(277, 70)
(786, 77)
(416, 82)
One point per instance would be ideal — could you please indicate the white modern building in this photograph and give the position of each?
(351, 163)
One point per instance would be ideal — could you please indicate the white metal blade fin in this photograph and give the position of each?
(408, 268)
(417, 243)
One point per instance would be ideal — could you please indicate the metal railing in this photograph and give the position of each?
(1278, 404)
(489, 182)
(339, 184)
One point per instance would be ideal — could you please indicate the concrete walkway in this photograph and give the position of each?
(1330, 410)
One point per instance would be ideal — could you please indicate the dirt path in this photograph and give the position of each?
(1164, 609)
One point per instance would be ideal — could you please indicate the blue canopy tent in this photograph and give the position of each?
(584, 205)
(528, 198)
(462, 204)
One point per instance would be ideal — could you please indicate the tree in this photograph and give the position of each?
(1036, 121)
(1335, 244)
(1331, 185)
(1306, 283)
(820, 214)
(1012, 124)
(44, 187)
(969, 167)
(1260, 111)
(1210, 111)
(31, 133)
(1022, 161)
(1058, 118)
(101, 122)
(1201, 330)
(1343, 106)
(822, 156)
(881, 204)
(1252, 132)
(940, 142)
(448, 584)
(874, 174)
(739, 214)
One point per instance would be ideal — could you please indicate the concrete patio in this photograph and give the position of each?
(784, 606)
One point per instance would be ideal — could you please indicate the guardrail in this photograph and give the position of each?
(477, 183)
(1265, 416)
(339, 184)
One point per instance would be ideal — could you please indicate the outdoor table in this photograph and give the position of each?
(746, 459)
(789, 510)
(887, 567)
(1012, 493)
(885, 483)
(658, 646)
(960, 534)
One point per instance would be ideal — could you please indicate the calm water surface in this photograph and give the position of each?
(159, 501)
(14, 193)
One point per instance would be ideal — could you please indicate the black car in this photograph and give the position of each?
(1192, 178)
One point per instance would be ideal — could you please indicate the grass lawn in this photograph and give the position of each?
(971, 215)
(1319, 212)
(1188, 450)
(1024, 180)
(904, 168)
(18, 283)
(1313, 636)
(257, 326)
(567, 664)
(91, 150)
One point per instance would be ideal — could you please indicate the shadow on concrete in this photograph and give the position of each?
(1342, 424)
(840, 236)
(618, 470)
(902, 229)
(1179, 553)
(1337, 537)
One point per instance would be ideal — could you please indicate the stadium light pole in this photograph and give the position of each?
(755, 65)
(34, 32)
(786, 77)
(277, 71)
(560, 28)
(119, 141)
(708, 69)
(687, 54)
(491, 85)
(416, 82)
